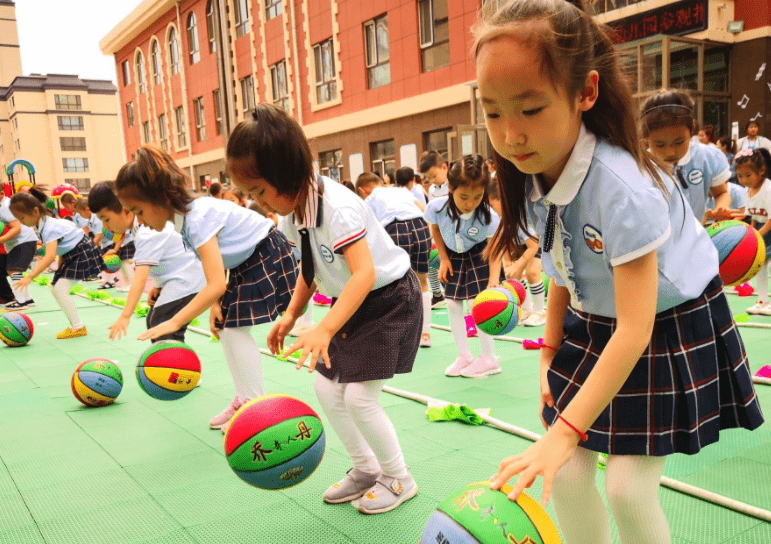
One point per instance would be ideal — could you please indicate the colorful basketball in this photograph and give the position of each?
(111, 263)
(478, 515)
(107, 235)
(168, 370)
(517, 288)
(16, 329)
(495, 311)
(97, 382)
(433, 259)
(3, 228)
(41, 250)
(741, 250)
(274, 442)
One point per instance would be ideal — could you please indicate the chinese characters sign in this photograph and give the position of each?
(674, 19)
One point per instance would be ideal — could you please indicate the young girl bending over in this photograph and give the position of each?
(372, 330)
(752, 167)
(641, 357)
(224, 236)
(80, 258)
(461, 223)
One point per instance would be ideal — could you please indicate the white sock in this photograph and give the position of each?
(488, 345)
(536, 295)
(761, 281)
(243, 357)
(632, 489)
(307, 317)
(433, 281)
(427, 312)
(22, 295)
(458, 326)
(61, 292)
(127, 271)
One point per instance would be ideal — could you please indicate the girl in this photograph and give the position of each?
(224, 236)
(461, 223)
(707, 136)
(667, 121)
(20, 246)
(80, 258)
(373, 329)
(727, 145)
(752, 140)
(637, 325)
(752, 167)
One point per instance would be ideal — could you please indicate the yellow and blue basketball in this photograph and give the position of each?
(111, 263)
(516, 288)
(274, 442)
(741, 250)
(16, 329)
(495, 311)
(108, 235)
(97, 382)
(168, 370)
(478, 515)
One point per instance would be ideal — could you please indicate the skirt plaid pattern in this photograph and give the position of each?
(82, 262)
(692, 380)
(127, 251)
(471, 273)
(413, 237)
(260, 287)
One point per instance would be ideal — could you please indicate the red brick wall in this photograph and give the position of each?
(754, 13)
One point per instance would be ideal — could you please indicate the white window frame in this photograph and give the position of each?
(211, 26)
(218, 111)
(200, 119)
(173, 51)
(243, 26)
(140, 64)
(179, 114)
(320, 73)
(280, 95)
(126, 73)
(192, 38)
(273, 8)
(248, 97)
(155, 55)
(424, 44)
(163, 132)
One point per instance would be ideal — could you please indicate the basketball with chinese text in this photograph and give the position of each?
(168, 370)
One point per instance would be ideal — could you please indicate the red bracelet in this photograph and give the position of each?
(583, 436)
(555, 350)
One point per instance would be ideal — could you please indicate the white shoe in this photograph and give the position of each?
(299, 329)
(534, 320)
(766, 309)
(758, 308)
(457, 367)
(124, 289)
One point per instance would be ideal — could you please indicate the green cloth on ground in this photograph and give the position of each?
(459, 412)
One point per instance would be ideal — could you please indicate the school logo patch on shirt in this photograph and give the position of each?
(695, 177)
(593, 239)
(473, 231)
(326, 253)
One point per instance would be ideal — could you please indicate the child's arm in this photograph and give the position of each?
(515, 269)
(41, 267)
(420, 205)
(765, 228)
(722, 202)
(215, 287)
(98, 238)
(14, 229)
(135, 293)
(636, 289)
(445, 267)
(494, 265)
(117, 245)
(300, 299)
(316, 341)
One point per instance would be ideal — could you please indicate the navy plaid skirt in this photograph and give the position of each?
(692, 380)
(82, 262)
(127, 251)
(260, 287)
(413, 237)
(470, 273)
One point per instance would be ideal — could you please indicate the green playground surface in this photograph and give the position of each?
(143, 470)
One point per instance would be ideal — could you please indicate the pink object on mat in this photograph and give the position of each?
(471, 328)
(744, 290)
(321, 300)
(764, 372)
(532, 344)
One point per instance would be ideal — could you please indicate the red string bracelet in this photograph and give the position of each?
(555, 350)
(583, 436)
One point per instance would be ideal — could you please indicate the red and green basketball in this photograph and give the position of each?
(168, 370)
(97, 382)
(433, 259)
(478, 515)
(495, 311)
(274, 442)
(516, 288)
(41, 250)
(741, 250)
(111, 263)
(16, 329)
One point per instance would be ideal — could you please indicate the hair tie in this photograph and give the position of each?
(690, 111)
(254, 114)
(744, 153)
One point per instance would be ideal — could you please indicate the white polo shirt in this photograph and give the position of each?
(64, 232)
(419, 192)
(335, 220)
(26, 234)
(702, 167)
(438, 191)
(391, 204)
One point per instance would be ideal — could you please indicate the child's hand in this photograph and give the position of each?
(721, 214)
(119, 328)
(215, 314)
(278, 333)
(314, 343)
(737, 214)
(445, 270)
(493, 282)
(152, 296)
(167, 327)
(22, 283)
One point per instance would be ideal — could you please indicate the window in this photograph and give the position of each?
(383, 157)
(13, 104)
(163, 132)
(141, 72)
(67, 122)
(436, 140)
(200, 120)
(192, 38)
(279, 83)
(130, 113)
(156, 58)
(218, 111)
(67, 102)
(326, 84)
(211, 26)
(377, 49)
(433, 22)
(331, 163)
(242, 18)
(126, 73)
(18, 145)
(83, 185)
(146, 132)
(273, 8)
(173, 51)
(247, 91)
(179, 115)
(75, 165)
(72, 144)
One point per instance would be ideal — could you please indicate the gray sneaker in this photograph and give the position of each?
(386, 494)
(353, 486)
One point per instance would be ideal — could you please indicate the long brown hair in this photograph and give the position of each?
(470, 171)
(154, 177)
(571, 44)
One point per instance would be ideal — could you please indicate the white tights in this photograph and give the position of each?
(632, 489)
(761, 280)
(458, 328)
(362, 425)
(61, 292)
(243, 357)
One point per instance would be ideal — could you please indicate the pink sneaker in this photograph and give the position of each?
(471, 328)
(225, 415)
(481, 368)
(460, 363)
(764, 372)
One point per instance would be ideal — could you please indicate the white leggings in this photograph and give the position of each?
(61, 292)
(761, 280)
(632, 489)
(243, 357)
(458, 329)
(362, 425)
